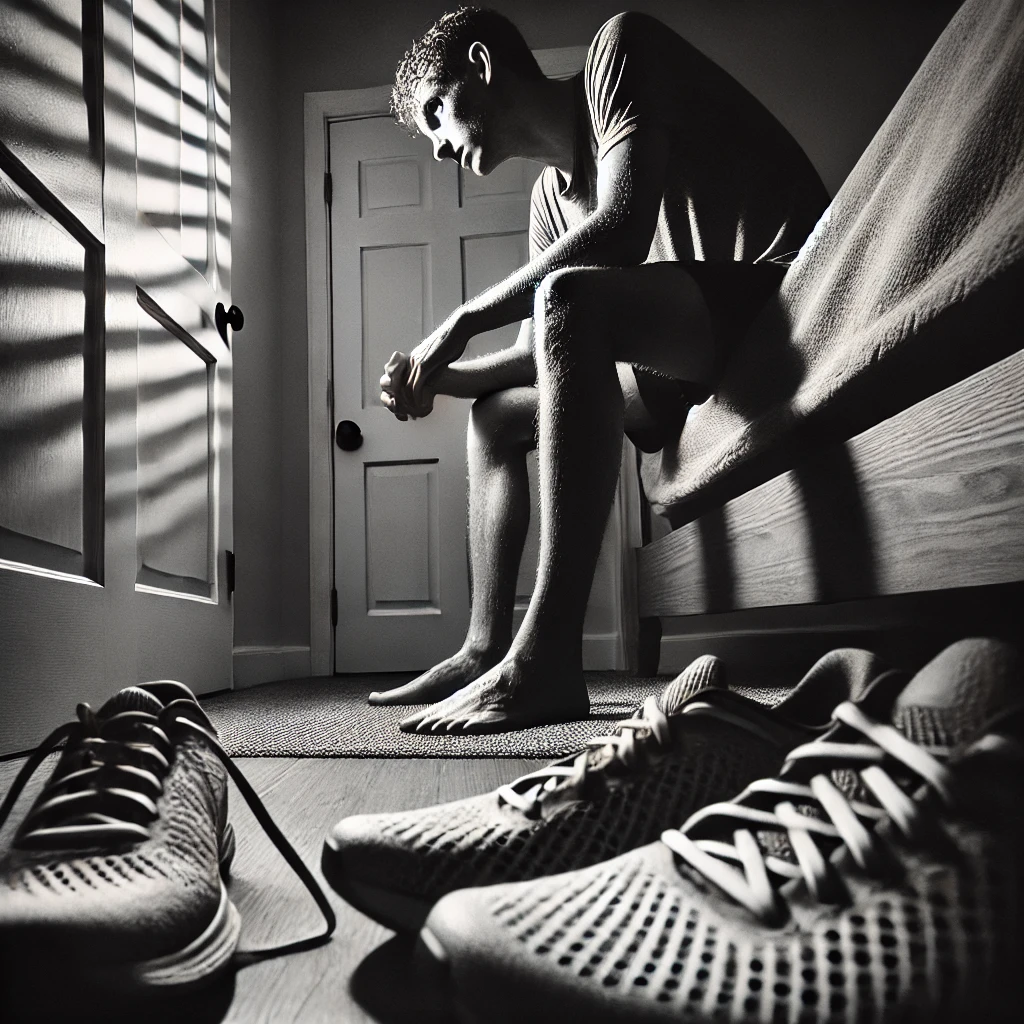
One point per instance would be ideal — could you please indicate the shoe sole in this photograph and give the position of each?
(397, 911)
(201, 960)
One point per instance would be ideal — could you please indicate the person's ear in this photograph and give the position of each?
(480, 61)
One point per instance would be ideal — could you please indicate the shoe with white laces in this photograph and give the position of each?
(696, 743)
(876, 878)
(115, 873)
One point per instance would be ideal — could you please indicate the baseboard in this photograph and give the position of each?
(255, 665)
(602, 651)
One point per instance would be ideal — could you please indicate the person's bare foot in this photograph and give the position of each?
(512, 695)
(441, 681)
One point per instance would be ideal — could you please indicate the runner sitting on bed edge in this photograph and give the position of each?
(670, 205)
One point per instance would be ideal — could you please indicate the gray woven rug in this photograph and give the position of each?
(329, 717)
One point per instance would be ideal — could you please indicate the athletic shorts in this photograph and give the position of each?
(735, 293)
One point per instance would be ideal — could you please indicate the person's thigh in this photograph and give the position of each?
(654, 315)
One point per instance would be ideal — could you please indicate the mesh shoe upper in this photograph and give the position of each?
(114, 872)
(140, 895)
(616, 796)
(928, 931)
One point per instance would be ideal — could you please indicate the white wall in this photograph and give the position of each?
(830, 72)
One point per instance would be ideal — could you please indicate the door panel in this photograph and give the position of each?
(390, 183)
(50, 400)
(401, 496)
(396, 304)
(402, 539)
(511, 180)
(487, 259)
(51, 114)
(157, 74)
(176, 450)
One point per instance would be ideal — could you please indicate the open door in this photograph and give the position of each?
(115, 384)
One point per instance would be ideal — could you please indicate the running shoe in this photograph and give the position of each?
(116, 872)
(876, 878)
(699, 742)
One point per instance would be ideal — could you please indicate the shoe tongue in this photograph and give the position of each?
(701, 673)
(131, 698)
(841, 675)
(945, 704)
(957, 692)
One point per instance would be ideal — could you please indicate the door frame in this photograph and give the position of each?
(321, 109)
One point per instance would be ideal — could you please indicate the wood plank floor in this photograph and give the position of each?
(365, 974)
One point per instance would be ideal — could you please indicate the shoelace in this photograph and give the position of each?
(845, 822)
(113, 798)
(528, 791)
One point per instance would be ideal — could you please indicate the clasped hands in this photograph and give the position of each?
(405, 384)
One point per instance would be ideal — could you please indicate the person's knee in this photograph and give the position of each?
(564, 298)
(502, 425)
(567, 310)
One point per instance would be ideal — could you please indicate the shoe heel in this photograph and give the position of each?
(201, 960)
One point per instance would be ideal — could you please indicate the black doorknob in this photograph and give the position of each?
(232, 318)
(348, 435)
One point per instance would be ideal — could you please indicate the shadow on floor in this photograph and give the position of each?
(59, 1001)
(420, 998)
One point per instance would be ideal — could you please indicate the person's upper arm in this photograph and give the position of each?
(631, 90)
(630, 186)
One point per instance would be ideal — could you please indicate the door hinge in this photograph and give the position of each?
(334, 606)
(328, 188)
(230, 571)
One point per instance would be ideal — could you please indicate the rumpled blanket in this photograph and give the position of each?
(911, 281)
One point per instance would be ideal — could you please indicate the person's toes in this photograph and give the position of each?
(423, 722)
(411, 723)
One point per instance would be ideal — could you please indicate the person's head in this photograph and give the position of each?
(451, 84)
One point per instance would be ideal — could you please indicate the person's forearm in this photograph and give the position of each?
(473, 378)
(603, 239)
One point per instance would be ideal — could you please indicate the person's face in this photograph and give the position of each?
(455, 120)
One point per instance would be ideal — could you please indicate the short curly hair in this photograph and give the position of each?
(441, 55)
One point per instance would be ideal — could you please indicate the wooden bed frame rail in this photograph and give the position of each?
(907, 536)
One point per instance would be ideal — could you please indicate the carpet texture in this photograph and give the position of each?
(329, 717)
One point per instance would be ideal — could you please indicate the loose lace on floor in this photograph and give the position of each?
(651, 727)
(835, 820)
(109, 796)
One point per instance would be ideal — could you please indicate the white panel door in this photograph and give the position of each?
(411, 239)
(112, 422)
(400, 499)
